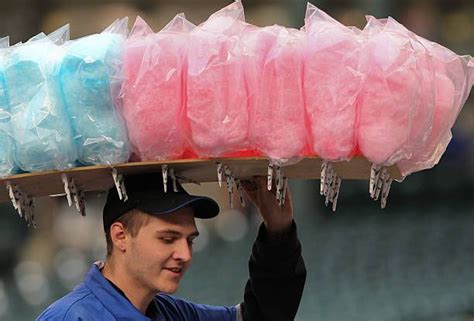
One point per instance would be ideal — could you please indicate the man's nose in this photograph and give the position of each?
(183, 251)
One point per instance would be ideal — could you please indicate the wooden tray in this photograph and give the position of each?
(99, 178)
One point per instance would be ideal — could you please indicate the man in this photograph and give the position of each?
(149, 247)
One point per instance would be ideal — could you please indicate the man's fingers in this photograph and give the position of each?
(249, 185)
(251, 189)
(255, 188)
(254, 184)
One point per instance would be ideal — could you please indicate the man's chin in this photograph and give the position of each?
(169, 288)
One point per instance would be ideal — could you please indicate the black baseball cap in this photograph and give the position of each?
(146, 193)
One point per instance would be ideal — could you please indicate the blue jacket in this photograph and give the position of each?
(272, 293)
(96, 299)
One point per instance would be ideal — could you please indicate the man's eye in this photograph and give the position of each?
(167, 240)
(191, 242)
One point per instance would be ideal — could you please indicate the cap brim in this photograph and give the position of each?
(203, 207)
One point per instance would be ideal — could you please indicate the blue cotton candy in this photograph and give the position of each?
(39, 125)
(7, 165)
(90, 84)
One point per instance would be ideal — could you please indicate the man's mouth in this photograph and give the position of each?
(176, 271)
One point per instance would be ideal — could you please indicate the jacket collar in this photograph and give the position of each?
(111, 299)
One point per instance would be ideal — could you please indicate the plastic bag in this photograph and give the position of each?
(397, 100)
(39, 125)
(453, 84)
(471, 70)
(424, 106)
(332, 83)
(217, 95)
(153, 89)
(90, 78)
(277, 117)
(7, 164)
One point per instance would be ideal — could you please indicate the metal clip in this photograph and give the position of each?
(219, 173)
(330, 184)
(24, 207)
(278, 183)
(327, 182)
(164, 172)
(230, 185)
(16, 197)
(67, 189)
(327, 179)
(241, 192)
(379, 179)
(336, 193)
(285, 190)
(30, 215)
(79, 202)
(23, 203)
(269, 176)
(13, 194)
(385, 190)
(324, 166)
(124, 190)
(174, 179)
(28, 209)
(374, 176)
(118, 181)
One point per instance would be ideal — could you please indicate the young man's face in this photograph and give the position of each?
(162, 251)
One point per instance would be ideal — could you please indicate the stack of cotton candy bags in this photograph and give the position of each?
(277, 117)
(90, 78)
(7, 165)
(397, 100)
(332, 82)
(217, 92)
(453, 82)
(39, 124)
(153, 89)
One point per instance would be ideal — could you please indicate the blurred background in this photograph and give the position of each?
(411, 261)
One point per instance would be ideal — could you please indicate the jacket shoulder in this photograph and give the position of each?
(78, 305)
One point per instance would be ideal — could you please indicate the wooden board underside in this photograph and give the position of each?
(99, 178)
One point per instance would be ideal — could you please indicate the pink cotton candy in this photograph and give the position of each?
(456, 68)
(453, 85)
(277, 104)
(471, 70)
(424, 104)
(217, 95)
(430, 154)
(153, 90)
(331, 85)
(389, 97)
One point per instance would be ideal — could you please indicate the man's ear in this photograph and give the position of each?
(119, 236)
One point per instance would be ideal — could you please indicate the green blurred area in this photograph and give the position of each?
(410, 262)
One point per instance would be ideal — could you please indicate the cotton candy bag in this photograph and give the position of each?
(332, 81)
(424, 105)
(471, 70)
(39, 124)
(7, 165)
(395, 111)
(90, 78)
(277, 117)
(153, 89)
(217, 94)
(453, 84)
